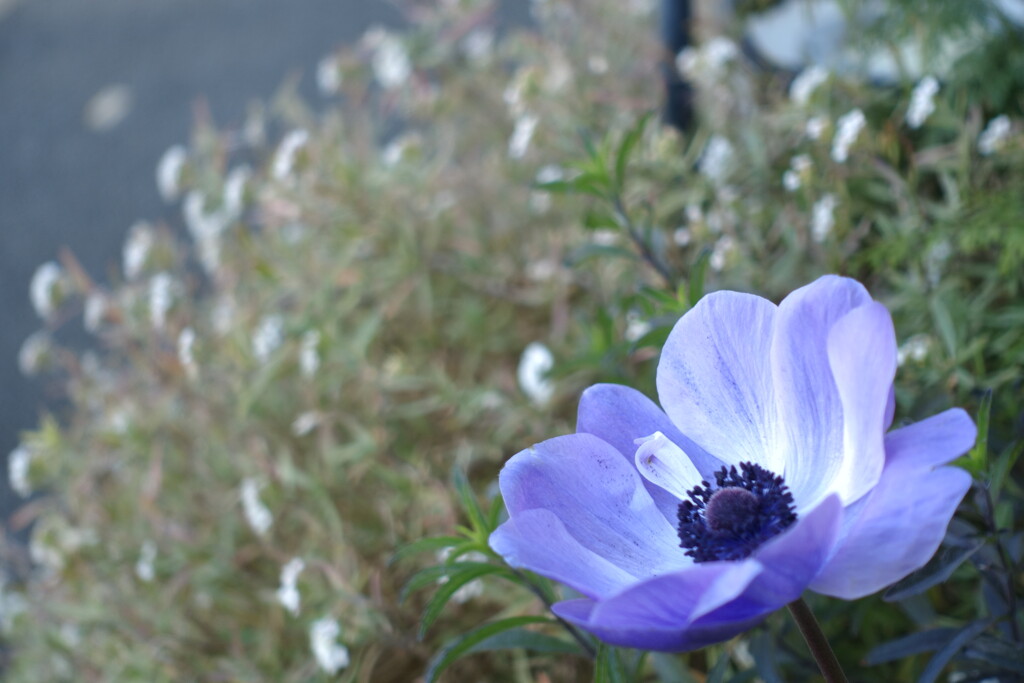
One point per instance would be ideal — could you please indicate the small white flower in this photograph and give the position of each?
(922, 101)
(94, 312)
(205, 228)
(288, 592)
(848, 127)
(478, 45)
(719, 51)
(168, 172)
(34, 353)
(694, 214)
(309, 354)
(234, 190)
(144, 566)
(994, 136)
(141, 239)
(605, 237)
(12, 605)
(328, 76)
(636, 327)
(707, 61)
(186, 355)
(161, 298)
(717, 161)
(268, 336)
(256, 513)
(816, 126)
(799, 165)
(682, 237)
(549, 174)
(720, 252)
(305, 423)
(18, 463)
(45, 290)
(521, 136)
(543, 270)
(330, 655)
(390, 63)
(400, 148)
(914, 349)
(823, 217)
(287, 150)
(222, 315)
(597, 65)
(804, 85)
(534, 365)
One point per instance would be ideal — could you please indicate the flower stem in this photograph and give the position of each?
(817, 642)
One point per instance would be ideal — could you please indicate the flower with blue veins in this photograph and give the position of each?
(768, 470)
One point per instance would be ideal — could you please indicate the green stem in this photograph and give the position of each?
(817, 642)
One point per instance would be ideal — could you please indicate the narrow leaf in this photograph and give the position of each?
(424, 545)
(446, 590)
(937, 663)
(629, 141)
(525, 639)
(610, 667)
(469, 502)
(914, 644)
(979, 454)
(698, 274)
(463, 644)
(944, 322)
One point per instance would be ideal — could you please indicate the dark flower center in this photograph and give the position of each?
(729, 521)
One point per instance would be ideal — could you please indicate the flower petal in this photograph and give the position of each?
(656, 614)
(559, 557)
(713, 601)
(621, 415)
(900, 524)
(599, 498)
(862, 355)
(714, 378)
(664, 464)
(810, 409)
(933, 441)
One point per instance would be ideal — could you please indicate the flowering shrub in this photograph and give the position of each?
(281, 461)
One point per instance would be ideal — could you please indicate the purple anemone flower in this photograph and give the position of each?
(767, 471)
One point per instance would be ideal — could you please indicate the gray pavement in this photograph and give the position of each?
(66, 184)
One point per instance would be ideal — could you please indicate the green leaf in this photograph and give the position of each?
(1001, 654)
(465, 643)
(525, 639)
(908, 646)
(698, 275)
(591, 251)
(939, 569)
(610, 666)
(456, 580)
(431, 575)
(763, 650)
(1003, 467)
(425, 545)
(978, 455)
(937, 663)
(629, 141)
(469, 502)
(944, 322)
(718, 671)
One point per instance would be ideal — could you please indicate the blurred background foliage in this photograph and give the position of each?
(328, 367)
